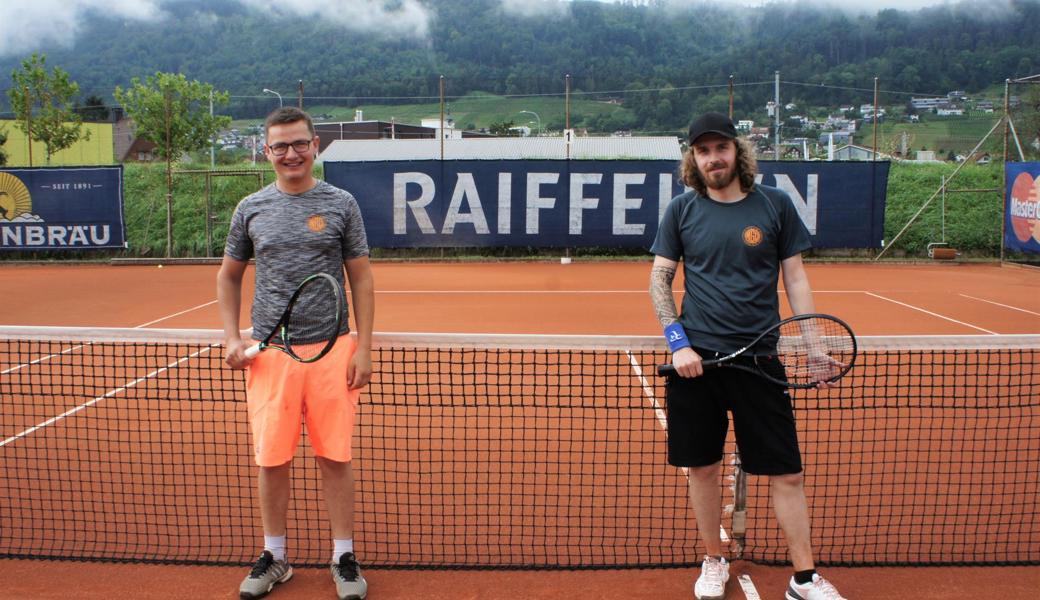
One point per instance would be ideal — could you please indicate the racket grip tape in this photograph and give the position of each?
(252, 351)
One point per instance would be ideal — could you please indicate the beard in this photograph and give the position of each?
(719, 179)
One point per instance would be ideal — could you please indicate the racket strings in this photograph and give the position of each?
(314, 319)
(815, 349)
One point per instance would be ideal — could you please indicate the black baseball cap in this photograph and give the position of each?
(712, 122)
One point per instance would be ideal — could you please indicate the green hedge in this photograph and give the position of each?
(973, 220)
(144, 187)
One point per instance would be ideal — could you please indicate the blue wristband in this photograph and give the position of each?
(676, 336)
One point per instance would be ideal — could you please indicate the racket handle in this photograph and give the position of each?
(669, 369)
(252, 351)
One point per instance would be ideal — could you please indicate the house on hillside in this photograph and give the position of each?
(140, 150)
(854, 152)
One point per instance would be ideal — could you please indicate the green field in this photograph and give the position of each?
(939, 134)
(475, 111)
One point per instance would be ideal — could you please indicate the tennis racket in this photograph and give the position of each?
(812, 349)
(310, 324)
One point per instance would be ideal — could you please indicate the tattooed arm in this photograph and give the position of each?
(662, 274)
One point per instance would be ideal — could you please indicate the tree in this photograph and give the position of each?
(42, 105)
(503, 129)
(93, 109)
(3, 140)
(174, 114)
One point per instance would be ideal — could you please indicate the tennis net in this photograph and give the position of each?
(506, 451)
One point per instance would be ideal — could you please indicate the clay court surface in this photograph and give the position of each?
(591, 298)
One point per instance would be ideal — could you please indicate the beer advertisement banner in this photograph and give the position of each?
(75, 208)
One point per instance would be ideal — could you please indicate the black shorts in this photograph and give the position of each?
(763, 421)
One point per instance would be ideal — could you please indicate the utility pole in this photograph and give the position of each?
(875, 110)
(567, 119)
(441, 131)
(300, 96)
(28, 122)
(730, 97)
(776, 114)
(1007, 123)
(567, 102)
(212, 146)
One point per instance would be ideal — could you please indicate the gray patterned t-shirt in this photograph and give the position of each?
(293, 237)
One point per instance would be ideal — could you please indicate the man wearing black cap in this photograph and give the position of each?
(735, 238)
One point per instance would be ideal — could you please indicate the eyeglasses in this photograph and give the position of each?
(281, 148)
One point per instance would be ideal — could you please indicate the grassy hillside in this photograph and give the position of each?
(477, 110)
(938, 134)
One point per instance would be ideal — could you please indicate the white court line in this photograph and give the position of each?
(39, 360)
(177, 314)
(525, 291)
(99, 398)
(662, 419)
(1001, 305)
(917, 308)
(750, 592)
(107, 394)
(530, 291)
(73, 348)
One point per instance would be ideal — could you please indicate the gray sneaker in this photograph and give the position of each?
(266, 572)
(350, 585)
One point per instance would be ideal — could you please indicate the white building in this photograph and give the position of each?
(449, 133)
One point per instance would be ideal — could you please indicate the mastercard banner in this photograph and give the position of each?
(1022, 212)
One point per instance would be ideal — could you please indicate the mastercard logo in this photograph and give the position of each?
(1025, 207)
(316, 223)
(752, 236)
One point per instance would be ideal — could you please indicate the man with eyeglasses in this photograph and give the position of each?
(296, 227)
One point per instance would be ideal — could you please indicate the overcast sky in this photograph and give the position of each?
(40, 25)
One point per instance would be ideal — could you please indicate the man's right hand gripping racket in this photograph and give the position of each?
(812, 349)
(310, 324)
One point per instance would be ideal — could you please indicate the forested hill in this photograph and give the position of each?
(483, 45)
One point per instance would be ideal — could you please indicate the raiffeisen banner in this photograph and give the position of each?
(585, 203)
(61, 208)
(1022, 211)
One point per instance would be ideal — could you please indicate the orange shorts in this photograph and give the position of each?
(281, 393)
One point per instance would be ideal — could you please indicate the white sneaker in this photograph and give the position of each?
(711, 585)
(819, 589)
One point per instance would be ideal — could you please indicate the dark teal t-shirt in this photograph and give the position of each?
(731, 255)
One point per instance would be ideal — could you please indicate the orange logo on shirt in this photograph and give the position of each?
(752, 236)
(316, 223)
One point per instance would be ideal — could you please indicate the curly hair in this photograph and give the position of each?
(747, 168)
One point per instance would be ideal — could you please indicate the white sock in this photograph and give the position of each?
(275, 544)
(341, 547)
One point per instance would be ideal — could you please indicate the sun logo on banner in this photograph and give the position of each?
(15, 201)
(1025, 207)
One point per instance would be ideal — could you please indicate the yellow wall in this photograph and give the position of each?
(98, 150)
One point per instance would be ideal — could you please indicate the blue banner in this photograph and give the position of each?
(75, 208)
(606, 203)
(1022, 210)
